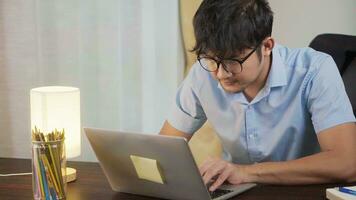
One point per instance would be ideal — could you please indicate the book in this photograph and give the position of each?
(335, 194)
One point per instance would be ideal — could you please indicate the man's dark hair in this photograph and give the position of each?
(227, 27)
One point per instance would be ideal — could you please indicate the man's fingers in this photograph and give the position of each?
(206, 165)
(220, 180)
(213, 171)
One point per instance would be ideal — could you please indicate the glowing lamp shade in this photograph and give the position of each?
(57, 107)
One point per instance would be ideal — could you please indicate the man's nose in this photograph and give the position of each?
(222, 73)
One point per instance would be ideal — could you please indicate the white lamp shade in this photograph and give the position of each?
(57, 107)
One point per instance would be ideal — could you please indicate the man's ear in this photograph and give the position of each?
(267, 46)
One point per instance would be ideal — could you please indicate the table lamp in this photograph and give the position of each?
(57, 107)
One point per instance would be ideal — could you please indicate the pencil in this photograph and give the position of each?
(48, 158)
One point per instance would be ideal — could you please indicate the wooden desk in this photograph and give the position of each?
(92, 184)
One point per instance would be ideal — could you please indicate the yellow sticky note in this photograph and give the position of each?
(147, 169)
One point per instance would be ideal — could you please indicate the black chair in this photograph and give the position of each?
(343, 50)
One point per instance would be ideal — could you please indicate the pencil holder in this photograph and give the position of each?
(48, 169)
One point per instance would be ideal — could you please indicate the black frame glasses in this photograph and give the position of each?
(231, 65)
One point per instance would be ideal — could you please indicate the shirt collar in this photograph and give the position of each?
(277, 75)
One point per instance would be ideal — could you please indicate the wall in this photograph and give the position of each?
(297, 22)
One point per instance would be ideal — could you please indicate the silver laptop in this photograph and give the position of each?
(182, 179)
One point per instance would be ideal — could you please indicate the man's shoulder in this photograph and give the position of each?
(305, 58)
(305, 66)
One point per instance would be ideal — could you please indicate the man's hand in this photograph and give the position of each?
(221, 171)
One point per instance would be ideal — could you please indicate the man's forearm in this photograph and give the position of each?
(318, 168)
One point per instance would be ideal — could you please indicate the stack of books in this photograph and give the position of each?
(341, 193)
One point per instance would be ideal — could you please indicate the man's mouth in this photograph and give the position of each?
(227, 82)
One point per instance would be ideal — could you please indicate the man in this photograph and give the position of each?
(282, 114)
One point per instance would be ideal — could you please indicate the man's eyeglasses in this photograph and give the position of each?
(231, 65)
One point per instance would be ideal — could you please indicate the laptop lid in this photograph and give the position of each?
(113, 149)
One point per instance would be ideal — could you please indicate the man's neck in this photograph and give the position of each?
(252, 91)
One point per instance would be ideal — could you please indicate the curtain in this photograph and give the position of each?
(187, 12)
(125, 56)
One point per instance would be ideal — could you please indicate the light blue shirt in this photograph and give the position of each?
(303, 95)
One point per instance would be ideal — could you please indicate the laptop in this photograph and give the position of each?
(182, 180)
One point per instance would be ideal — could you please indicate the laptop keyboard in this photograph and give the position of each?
(218, 192)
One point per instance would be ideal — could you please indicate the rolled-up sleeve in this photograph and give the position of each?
(187, 114)
(327, 100)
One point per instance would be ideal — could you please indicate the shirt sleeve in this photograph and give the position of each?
(187, 114)
(327, 100)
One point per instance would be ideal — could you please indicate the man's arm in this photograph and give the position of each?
(335, 163)
(169, 130)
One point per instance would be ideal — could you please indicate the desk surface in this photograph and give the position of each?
(92, 184)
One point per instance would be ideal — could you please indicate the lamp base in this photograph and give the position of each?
(71, 174)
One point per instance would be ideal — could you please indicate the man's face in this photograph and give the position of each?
(235, 77)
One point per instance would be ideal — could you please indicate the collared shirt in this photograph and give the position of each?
(303, 95)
